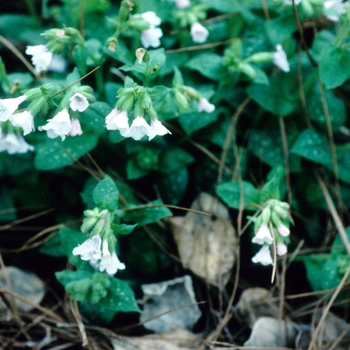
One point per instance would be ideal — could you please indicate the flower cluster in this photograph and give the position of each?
(118, 120)
(99, 249)
(272, 225)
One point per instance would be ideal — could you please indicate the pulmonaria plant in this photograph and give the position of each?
(199, 33)
(151, 37)
(41, 57)
(271, 229)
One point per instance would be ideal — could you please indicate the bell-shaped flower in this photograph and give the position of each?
(59, 125)
(182, 4)
(204, 105)
(283, 230)
(90, 249)
(199, 33)
(333, 9)
(263, 256)
(139, 128)
(78, 102)
(9, 105)
(76, 128)
(158, 128)
(41, 57)
(151, 18)
(263, 235)
(118, 120)
(151, 36)
(281, 249)
(280, 59)
(111, 264)
(12, 144)
(25, 120)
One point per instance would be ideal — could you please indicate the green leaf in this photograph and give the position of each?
(271, 190)
(334, 66)
(313, 146)
(86, 194)
(70, 239)
(343, 163)
(229, 192)
(158, 92)
(68, 276)
(147, 214)
(274, 97)
(121, 53)
(80, 55)
(134, 171)
(105, 194)
(53, 246)
(55, 154)
(174, 159)
(73, 77)
(194, 121)
(122, 229)
(93, 118)
(215, 70)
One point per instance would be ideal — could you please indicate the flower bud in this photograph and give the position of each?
(111, 43)
(152, 113)
(88, 224)
(181, 101)
(142, 55)
(277, 222)
(266, 215)
(281, 212)
(125, 103)
(260, 57)
(146, 101)
(247, 70)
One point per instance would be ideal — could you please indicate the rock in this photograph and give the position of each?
(175, 340)
(25, 284)
(255, 303)
(207, 245)
(166, 296)
(265, 332)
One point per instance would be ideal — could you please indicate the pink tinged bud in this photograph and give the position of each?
(263, 235)
(76, 128)
(9, 105)
(182, 4)
(158, 128)
(280, 59)
(199, 33)
(204, 105)
(12, 144)
(283, 230)
(281, 249)
(59, 125)
(263, 256)
(78, 102)
(42, 57)
(25, 120)
(140, 128)
(118, 120)
(90, 249)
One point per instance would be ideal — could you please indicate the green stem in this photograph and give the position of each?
(33, 12)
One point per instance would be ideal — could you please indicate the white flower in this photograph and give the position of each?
(151, 37)
(9, 105)
(14, 144)
(290, 2)
(25, 120)
(58, 64)
(280, 59)
(199, 33)
(111, 264)
(158, 128)
(76, 128)
(182, 4)
(263, 256)
(281, 249)
(333, 9)
(59, 125)
(263, 235)
(139, 128)
(283, 230)
(151, 18)
(78, 102)
(204, 105)
(118, 120)
(90, 249)
(42, 57)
